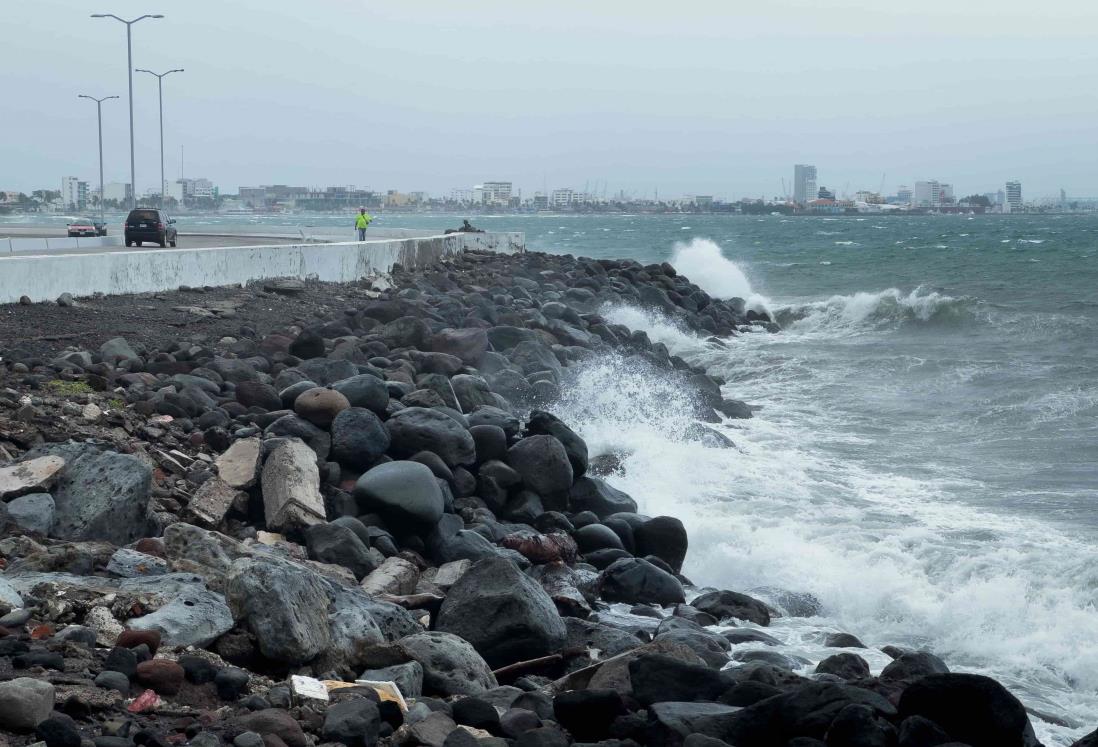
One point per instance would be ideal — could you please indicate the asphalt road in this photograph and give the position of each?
(185, 241)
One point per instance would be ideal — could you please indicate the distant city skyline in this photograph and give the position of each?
(711, 99)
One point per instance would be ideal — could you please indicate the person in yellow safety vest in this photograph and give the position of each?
(361, 222)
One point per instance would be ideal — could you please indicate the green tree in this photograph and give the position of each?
(977, 201)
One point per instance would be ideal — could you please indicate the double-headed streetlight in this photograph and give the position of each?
(129, 73)
(99, 112)
(160, 91)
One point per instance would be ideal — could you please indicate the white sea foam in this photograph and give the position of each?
(892, 559)
(702, 261)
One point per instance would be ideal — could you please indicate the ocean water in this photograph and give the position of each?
(924, 461)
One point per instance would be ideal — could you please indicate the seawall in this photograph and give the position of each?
(44, 278)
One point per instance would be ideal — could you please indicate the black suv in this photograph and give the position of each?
(150, 224)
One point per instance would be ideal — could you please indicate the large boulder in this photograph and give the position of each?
(364, 390)
(416, 429)
(636, 581)
(285, 608)
(542, 463)
(405, 493)
(505, 614)
(451, 666)
(470, 344)
(358, 438)
(593, 494)
(806, 711)
(544, 423)
(972, 708)
(194, 617)
(724, 605)
(100, 494)
(665, 537)
(291, 488)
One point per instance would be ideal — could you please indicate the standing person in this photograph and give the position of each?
(361, 222)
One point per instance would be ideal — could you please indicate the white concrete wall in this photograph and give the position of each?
(45, 277)
(15, 245)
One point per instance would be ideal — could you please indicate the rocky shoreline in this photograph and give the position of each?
(347, 515)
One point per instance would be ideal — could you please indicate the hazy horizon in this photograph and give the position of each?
(433, 96)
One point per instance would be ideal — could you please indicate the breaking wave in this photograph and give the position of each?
(702, 261)
(883, 308)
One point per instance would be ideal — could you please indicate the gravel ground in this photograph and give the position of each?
(44, 329)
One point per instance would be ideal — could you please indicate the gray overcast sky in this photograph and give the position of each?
(690, 97)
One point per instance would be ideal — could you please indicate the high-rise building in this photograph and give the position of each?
(928, 194)
(1014, 196)
(804, 183)
(497, 193)
(904, 195)
(74, 193)
(561, 197)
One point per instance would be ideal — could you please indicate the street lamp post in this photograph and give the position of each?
(160, 92)
(129, 73)
(99, 113)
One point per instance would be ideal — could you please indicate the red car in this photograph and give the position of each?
(87, 227)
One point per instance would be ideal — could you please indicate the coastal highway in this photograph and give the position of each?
(185, 241)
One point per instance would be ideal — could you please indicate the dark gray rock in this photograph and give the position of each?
(416, 429)
(544, 423)
(542, 463)
(100, 494)
(503, 613)
(971, 708)
(843, 640)
(293, 630)
(358, 438)
(634, 581)
(451, 666)
(365, 390)
(353, 722)
(469, 344)
(806, 711)
(846, 666)
(406, 493)
(33, 512)
(911, 665)
(334, 543)
(665, 537)
(724, 605)
(858, 725)
(593, 494)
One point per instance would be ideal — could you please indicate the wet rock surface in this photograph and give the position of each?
(215, 523)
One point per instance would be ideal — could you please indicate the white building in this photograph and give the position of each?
(561, 197)
(175, 190)
(1014, 196)
(927, 194)
(461, 195)
(804, 183)
(117, 191)
(74, 193)
(496, 193)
